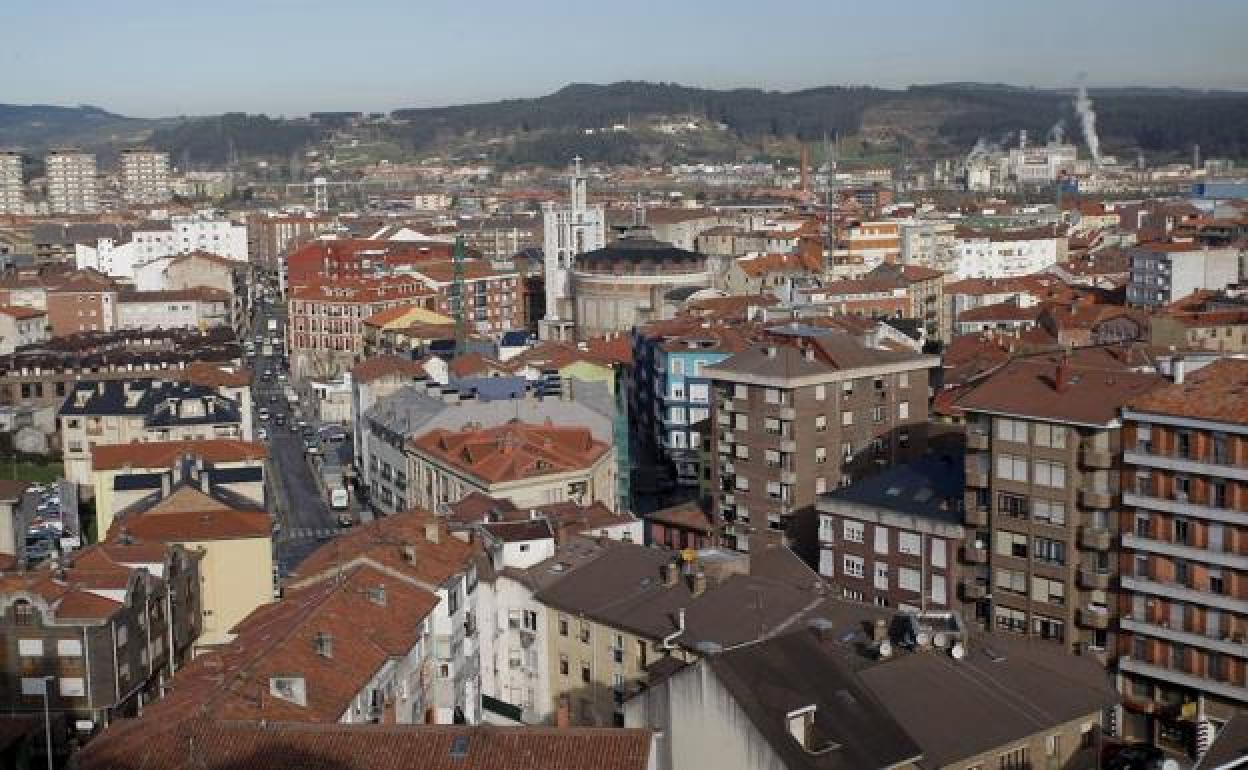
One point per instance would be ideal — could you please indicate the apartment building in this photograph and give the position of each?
(820, 696)
(1184, 556)
(130, 411)
(800, 416)
(72, 183)
(85, 301)
(270, 237)
(21, 326)
(357, 258)
(101, 633)
(671, 390)
(1042, 491)
(325, 333)
(925, 289)
(867, 245)
(526, 463)
(1007, 253)
(197, 308)
(1165, 272)
(12, 187)
(232, 534)
(928, 244)
(144, 176)
(892, 539)
(438, 683)
(631, 608)
(124, 474)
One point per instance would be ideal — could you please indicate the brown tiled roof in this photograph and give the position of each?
(195, 294)
(555, 355)
(21, 313)
(224, 745)
(513, 451)
(371, 369)
(617, 349)
(188, 515)
(212, 375)
(472, 364)
(1002, 311)
(1218, 391)
(397, 542)
(686, 516)
(1027, 387)
(164, 454)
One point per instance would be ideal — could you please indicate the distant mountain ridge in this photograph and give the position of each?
(934, 120)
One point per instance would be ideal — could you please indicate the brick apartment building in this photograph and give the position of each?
(1042, 488)
(1184, 558)
(805, 414)
(359, 258)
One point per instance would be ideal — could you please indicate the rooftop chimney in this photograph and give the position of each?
(1178, 370)
(324, 644)
(1061, 380)
(697, 583)
(432, 532)
(409, 554)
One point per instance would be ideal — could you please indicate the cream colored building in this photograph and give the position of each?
(71, 180)
(526, 463)
(145, 176)
(12, 198)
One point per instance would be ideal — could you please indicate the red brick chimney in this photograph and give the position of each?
(1062, 379)
(563, 713)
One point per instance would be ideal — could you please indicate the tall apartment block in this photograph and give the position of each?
(801, 415)
(145, 176)
(72, 187)
(12, 201)
(1184, 562)
(1042, 488)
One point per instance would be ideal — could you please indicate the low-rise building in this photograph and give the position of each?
(892, 539)
(21, 326)
(199, 308)
(528, 464)
(1162, 273)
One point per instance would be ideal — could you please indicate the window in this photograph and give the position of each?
(563, 665)
(827, 529)
(910, 543)
(773, 490)
(937, 547)
(1053, 436)
(771, 396)
(772, 426)
(30, 648)
(772, 458)
(1182, 531)
(881, 539)
(847, 387)
(1008, 619)
(909, 579)
(743, 484)
(1011, 467)
(743, 452)
(1012, 505)
(853, 566)
(881, 576)
(585, 673)
(1012, 430)
(1049, 628)
(1049, 474)
(32, 685)
(1048, 591)
(1013, 581)
(69, 648)
(584, 634)
(821, 423)
(1011, 544)
(821, 455)
(73, 687)
(821, 392)
(847, 418)
(903, 410)
(741, 391)
(563, 625)
(1049, 512)
(853, 531)
(742, 422)
(1050, 551)
(877, 414)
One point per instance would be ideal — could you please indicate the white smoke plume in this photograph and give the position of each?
(1087, 119)
(1058, 132)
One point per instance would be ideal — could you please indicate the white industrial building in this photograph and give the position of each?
(569, 230)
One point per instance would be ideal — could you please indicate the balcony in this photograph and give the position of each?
(1181, 593)
(1227, 646)
(977, 472)
(1143, 497)
(1146, 457)
(977, 515)
(1093, 617)
(788, 445)
(973, 592)
(1093, 579)
(1096, 458)
(977, 440)
(788, 477)
(788, 413)
(1094, 538)
(974, 555)
(1188, 552)
(1199, 683)
(1096, 498)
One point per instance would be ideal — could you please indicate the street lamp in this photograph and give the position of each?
(47, 716)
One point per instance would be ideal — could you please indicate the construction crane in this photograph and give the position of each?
(461, 314)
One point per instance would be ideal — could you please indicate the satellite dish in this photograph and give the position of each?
(958, 652)
(885, 649)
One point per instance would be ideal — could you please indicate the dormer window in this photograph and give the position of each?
(292, 689)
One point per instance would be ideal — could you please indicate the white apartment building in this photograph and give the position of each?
(1006, 254)
(12, 201)
(72, 184)
(145, 176)
(569, 230)
(929, 244)
(1162, 273)
(203, 231)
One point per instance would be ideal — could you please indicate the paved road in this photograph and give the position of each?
(303, 515)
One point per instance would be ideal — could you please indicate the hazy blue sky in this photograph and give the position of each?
(166, 57)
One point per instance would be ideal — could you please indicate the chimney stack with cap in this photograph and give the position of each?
(1061, 380)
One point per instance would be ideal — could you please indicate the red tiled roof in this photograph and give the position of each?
(164, 454)
(513, 451)
(377, 367)
(21, 313)
(1002, 311)
(1218, 392)
(214, 375)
